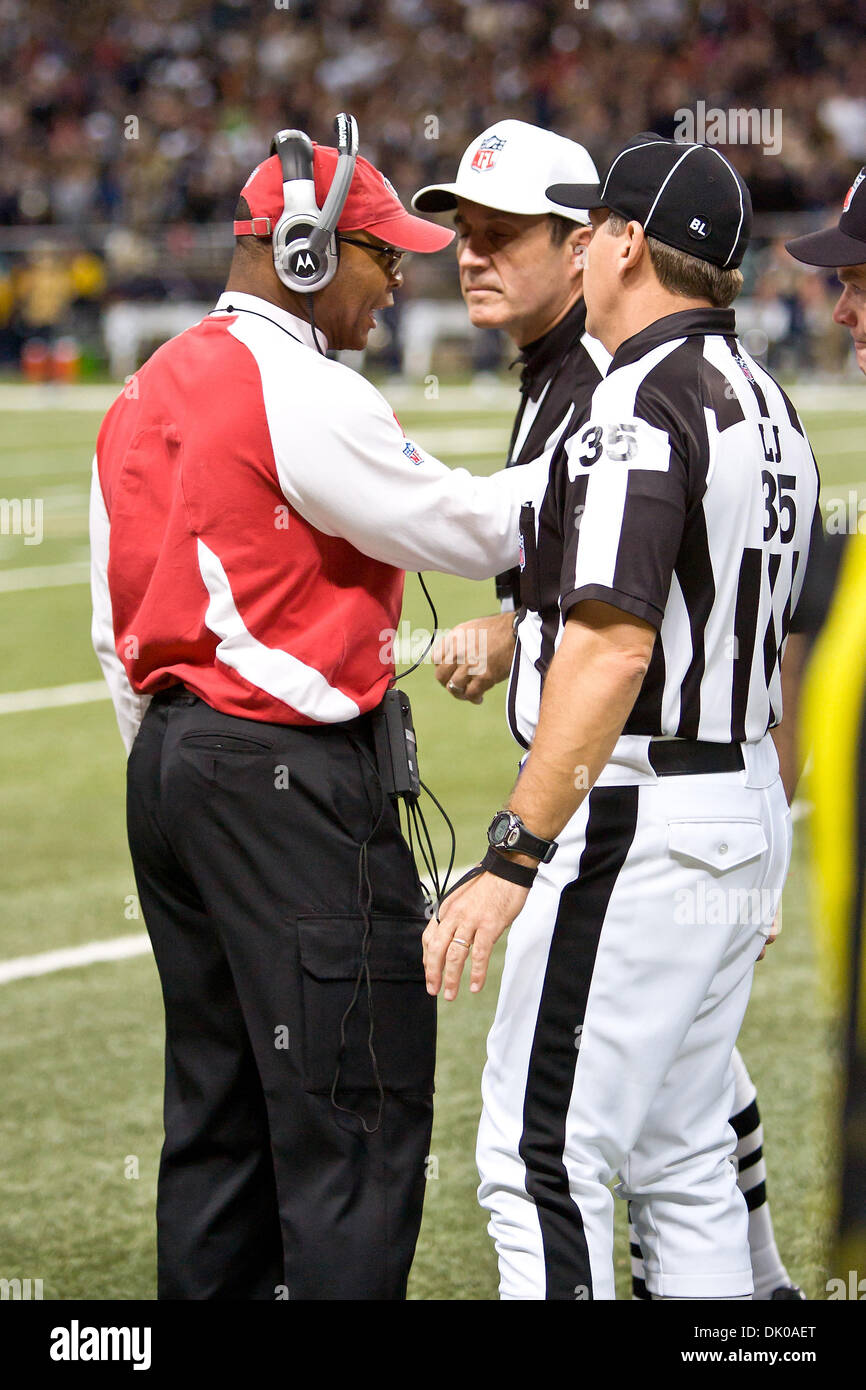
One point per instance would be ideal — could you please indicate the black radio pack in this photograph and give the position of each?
(396, 746)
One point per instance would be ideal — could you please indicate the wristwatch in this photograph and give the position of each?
(507, 831)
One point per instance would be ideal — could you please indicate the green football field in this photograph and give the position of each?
(82, 1046)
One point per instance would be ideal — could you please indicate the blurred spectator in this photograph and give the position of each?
(8, 337)
(51, 297)
(43, 293)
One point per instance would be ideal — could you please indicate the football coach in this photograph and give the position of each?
(254, 507)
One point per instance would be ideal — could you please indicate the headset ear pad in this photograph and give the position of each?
(297, 266)
(292, 255)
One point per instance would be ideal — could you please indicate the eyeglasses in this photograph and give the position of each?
(392, 254)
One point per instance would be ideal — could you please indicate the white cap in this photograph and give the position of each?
(509, 166)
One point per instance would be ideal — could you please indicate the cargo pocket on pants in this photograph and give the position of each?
(718, 847)
(403, 1013)
(716, 844)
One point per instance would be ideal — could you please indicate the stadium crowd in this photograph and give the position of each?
(147, 117)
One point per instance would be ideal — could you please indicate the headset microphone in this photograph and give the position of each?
(304, 239)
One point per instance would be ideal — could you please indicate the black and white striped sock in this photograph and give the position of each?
(768, 1271)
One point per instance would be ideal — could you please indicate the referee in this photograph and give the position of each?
(645, 846)
(520, 257)
(254, 506)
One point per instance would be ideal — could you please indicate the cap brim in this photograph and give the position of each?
(576, 195)
(410, 233)
(436, 197)
(828, 248)
(442, 197)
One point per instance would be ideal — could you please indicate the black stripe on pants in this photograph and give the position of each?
(245, 840)
(582, 907)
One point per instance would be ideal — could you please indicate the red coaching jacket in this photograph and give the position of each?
(254, 507)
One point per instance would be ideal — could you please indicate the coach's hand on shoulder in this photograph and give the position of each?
(475, 656)
(469, 923)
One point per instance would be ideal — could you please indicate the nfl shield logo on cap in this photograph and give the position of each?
(485, 155)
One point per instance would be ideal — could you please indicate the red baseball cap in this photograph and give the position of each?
(372, 204)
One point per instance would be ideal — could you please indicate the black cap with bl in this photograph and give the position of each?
(841, 245)
(687, 196)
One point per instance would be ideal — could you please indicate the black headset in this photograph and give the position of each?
(304, 240)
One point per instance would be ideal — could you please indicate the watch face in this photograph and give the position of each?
(499, 828)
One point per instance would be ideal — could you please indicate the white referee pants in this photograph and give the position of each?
(625, 983)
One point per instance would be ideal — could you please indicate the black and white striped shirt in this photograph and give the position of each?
(685, 494)
(560, 373)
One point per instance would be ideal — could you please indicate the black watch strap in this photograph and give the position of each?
(497, 864)
(542, 850)
(474, 872)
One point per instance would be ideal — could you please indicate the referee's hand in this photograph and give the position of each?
(475, 656)
(469, 923)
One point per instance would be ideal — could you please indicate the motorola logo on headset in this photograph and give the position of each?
(305, 264)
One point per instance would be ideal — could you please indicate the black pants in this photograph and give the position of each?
(246, 840)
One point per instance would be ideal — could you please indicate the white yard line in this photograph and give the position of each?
(841, 489)
(833, 441)
(53, 696)
(48, 397)
(15, 468)
(469, 396)
(466, 442)
(825, 395)
(115, 948)
(44, 576)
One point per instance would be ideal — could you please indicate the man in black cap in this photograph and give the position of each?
(844, 248)
(661, 565)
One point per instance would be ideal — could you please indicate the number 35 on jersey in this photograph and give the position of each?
(635, 443)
